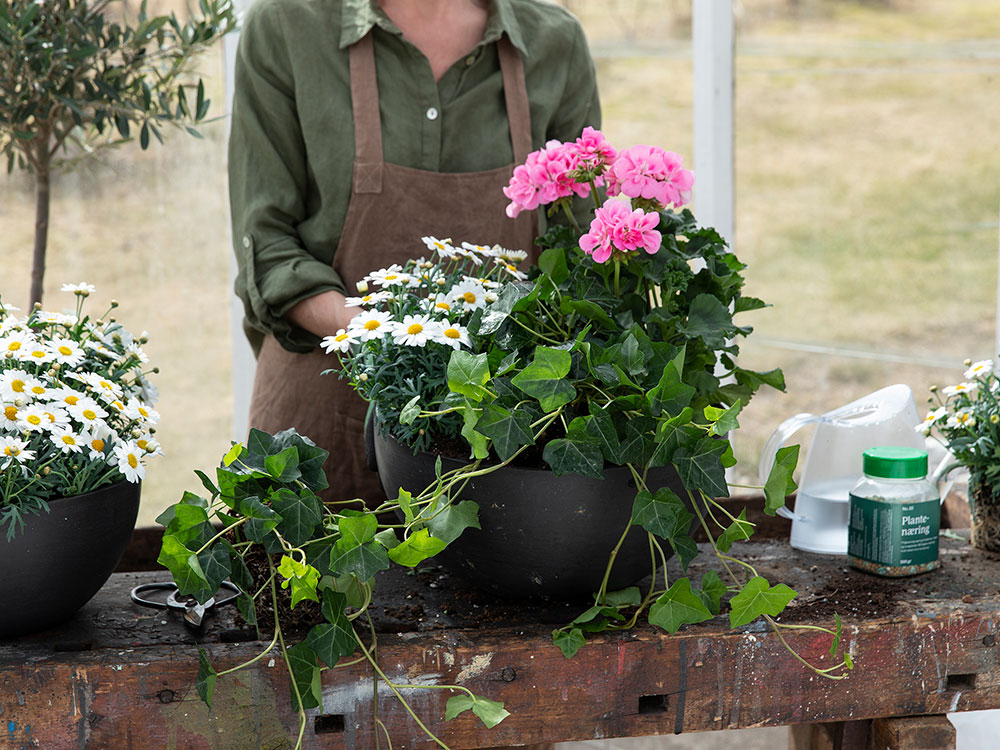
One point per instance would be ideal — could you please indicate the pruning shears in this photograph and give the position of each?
(194, 613)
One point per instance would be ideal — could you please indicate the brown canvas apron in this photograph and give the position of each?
(390, 209)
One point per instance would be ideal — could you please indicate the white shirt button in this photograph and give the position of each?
(246, 240)
(469, 60)
(432, 113)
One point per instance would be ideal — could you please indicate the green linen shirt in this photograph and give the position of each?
(291, 148)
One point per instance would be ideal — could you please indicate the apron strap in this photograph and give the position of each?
(367, 119)
(368, 155)
(515, 93)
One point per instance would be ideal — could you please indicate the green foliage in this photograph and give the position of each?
(78, 79)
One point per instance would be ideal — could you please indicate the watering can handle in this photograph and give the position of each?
(774, 443)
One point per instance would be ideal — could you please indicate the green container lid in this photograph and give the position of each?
(895, 462)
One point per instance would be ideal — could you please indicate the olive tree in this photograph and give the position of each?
(78, 77)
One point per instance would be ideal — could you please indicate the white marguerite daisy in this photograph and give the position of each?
(148, 445)
(16, 343)
(511, 256)
(10, 417)
(13, 448)
(413, 331)
(341, 341)
(979, 369)
(468, 295)
(57, 416)
(372, 298)
(369, 325)
(954, 390)
(379, 276)
(961, 419)
(106, 389)
(136, 351)
(87, 412)
(139, 410)
(511, 269)
(439, 304)
(93, 444)
(931, 418)
(66, 440)
(32, 418)
(38, 354)
(481, 250)
(491, 297)
(19, 384)
(443, 248)
(451, 334)
(129, 457)
(82, 289)
(66, 397)
(470, 255)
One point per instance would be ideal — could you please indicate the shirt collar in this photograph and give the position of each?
(359, 16)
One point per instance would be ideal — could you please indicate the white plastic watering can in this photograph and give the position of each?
(833, 462)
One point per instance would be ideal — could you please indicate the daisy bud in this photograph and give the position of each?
(52, 373)
(156, 370)
(9, 355)
(362, 286)
(933, 389)
(19, 402)
(363, 377)
(114, 303)
(137, 433)
(46, 471)
(421, 431)
(151, 446)
(37, 306)
(966, 362)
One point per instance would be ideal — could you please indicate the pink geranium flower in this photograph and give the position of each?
(544, 178)
(650, 172)
(592, 150)
(618, 228)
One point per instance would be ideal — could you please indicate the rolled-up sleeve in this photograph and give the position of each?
(268, 183)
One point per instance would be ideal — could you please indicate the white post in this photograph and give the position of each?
(244, 363)
(712, 53)
(996, 343)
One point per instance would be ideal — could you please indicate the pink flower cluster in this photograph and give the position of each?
(652, 173)
(618, 228)
(545, 177)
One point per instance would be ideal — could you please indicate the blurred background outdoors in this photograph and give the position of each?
(867, 154)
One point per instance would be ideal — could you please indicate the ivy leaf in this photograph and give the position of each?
(331, 641)
(544, 378)
(477, 441)
(356, 528)
(723, 420)
(468, 373)
(204, 683)
(552, 262)
(238, 573)
(498, 312)
(712, 591)
(628, 597)
(662, 514)
(758, 598)
(700, 467)
(670, 395)
(602, 427)
(410, 411)
(739, 530)
(575, 455)
(708, 319)
(679, 605)
(835, 643)
(569, 642)
(216, 568)
(449, 523)
(779, 482)
(685, 548)
(262, 519)
(489, 712)
(284, 466)
(302, 577)
(508, 430)
(183, 566)
(363, 561)
(300, 515)
(306, 676)
(416, 548)
(457, 705)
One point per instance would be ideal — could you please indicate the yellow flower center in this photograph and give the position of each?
(10, 450)
(34, 419)
(68, 439)
(372, 325)
(37, 390)
(17, 386)
(89, 414)
(142, 444)
(414, 329)
(511, 268)
(106, 385)
(65, 350)
(97, 444)
(38, 354)
(452, 333)
(391, 277)
(71, 400)
(132, 460)
(51, 416)
(443, 306)
(469, 297)
(143, 411)
(118, 405)
(10, 412)
(13, 346)
(341, 337)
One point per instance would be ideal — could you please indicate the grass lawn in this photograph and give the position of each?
(867, 188)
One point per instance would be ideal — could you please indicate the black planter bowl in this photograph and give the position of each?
(62, 558)
(543, 536)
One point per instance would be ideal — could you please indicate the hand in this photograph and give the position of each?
(323, 314)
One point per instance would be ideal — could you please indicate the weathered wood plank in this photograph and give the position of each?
(121, 677)
(912, 733)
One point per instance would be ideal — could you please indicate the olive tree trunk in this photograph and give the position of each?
(42, 169)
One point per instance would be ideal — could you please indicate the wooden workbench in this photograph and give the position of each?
(119, 676)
